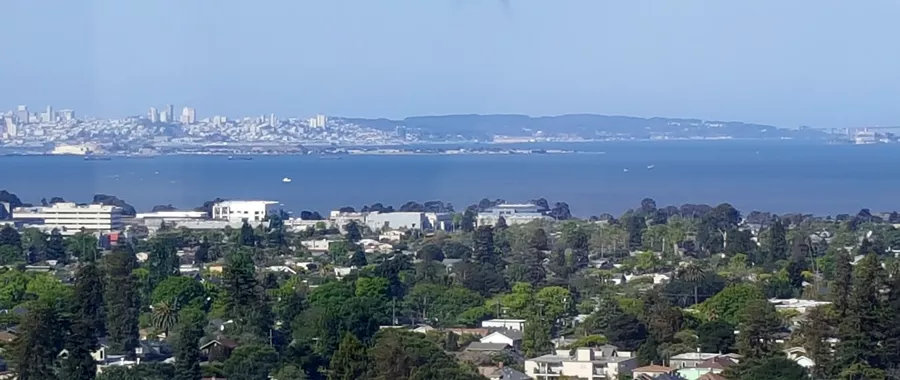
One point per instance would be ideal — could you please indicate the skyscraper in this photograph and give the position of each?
(321, 121)
(165, 117)
(170, 109)
(49, 116)
(22, 114)
(188, 115)
(154, 115)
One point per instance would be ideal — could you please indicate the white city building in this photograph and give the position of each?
(601, 363)
(70, 218)
(252, 211)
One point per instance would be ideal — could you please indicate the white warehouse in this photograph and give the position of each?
(70, 218)
(252, 211)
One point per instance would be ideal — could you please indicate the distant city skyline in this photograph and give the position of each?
(806, 62)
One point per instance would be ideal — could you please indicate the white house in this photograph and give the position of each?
(511, 338)
(509, 324)
(245, 210)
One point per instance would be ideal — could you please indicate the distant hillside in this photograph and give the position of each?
(582, 125)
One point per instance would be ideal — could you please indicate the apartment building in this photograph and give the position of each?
(512, 214)
(70, 218)
(601, 363)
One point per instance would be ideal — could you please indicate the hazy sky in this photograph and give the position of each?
(813, 62)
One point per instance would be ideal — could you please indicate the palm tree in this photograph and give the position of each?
(164, 316)
(693, 273)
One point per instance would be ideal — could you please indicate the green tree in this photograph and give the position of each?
(83, 245)
(358, 259)
(350, 361)
(759, 322)
(843, 282)
(354, 231)
(83, 323)
(770, 368)
(10, 246)
(251, 362)
(165, 316)
(89, 296)
(290, 372)
(536, 337)
(247, 238)
(187, 341)
(484, 252)
(120, 295)
(246, 301)
(40, 340)
(179, 289)
(860, 330)
(694, 274)
(777, 245)
(56, 246)
(728, 305)
(162, 261)
(715, 336)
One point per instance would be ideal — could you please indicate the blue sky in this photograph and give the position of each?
(814, 62)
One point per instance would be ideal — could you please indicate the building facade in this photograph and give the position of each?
(70, 218)
(512, 214)
(253, 211)
(586, 363)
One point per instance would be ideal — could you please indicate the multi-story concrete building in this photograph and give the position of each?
(70, 218)
(379, 221)
(512, 213)
(253, 211)
(602, 363)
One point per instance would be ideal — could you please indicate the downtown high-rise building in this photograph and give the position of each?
(165, 117)
(22, 114)
(321, 121)
(49, 116)
(154, 115)
(188, 115)
(170, 109)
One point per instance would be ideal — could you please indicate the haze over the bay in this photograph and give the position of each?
(801, 62)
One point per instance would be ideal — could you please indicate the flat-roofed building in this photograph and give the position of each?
(252, 211)
(70, 218)
(512, 214)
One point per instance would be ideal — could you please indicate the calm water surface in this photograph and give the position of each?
(773, 176)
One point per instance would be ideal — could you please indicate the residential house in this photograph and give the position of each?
(512, 214)
(486, 347)
(392, 236)
(423, 328)
(798, 355)
(586, 363)
(691, 359)
(511, 338)
(510, 324)
(482, 332)
(319, 245)
(652, 371)
(714, 365)
(218, 349)
(712, 376)
(501, 372)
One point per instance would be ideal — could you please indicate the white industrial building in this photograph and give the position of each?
(512, 214)
(171, 216)
(383, 221)
(70, 218)
(252, 211)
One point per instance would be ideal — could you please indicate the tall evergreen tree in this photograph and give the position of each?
(758, 324)
(891, 344)
(56, 246)
(163, 260)
(89, 295)
(247, 237)
(350, 361)
(246, 301)
(122, 304)
(777, 243)
(40, 340)
(187, 341)
(484, 252)
(80, 343)
(536, 337)
(843, 282)
(860, 331)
